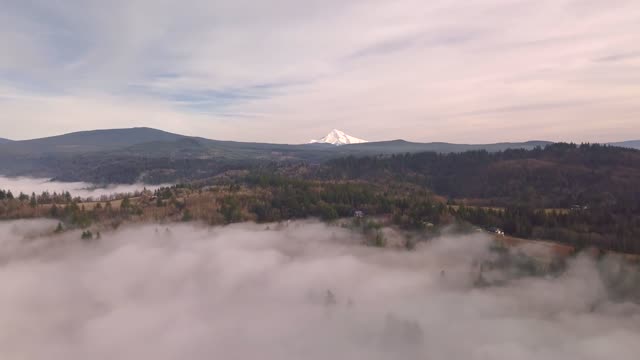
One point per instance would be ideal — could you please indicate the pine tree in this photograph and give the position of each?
(33, 202)
(54, 211)
(87, 235)
(186, 215)
(126, 203)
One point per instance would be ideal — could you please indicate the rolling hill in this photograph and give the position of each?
(128, 155)
(402, 146)
(4, 141)
(88, 141)
(153, 142)
(632, 144)
(558, 176)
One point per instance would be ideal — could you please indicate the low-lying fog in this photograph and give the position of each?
(304, 291)
(29, 185)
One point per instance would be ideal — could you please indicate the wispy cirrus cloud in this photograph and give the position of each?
(619, 57)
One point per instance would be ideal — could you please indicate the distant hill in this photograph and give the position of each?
(4, 141)
(128, 155)
(402, 146)
(632, 144)
(153, 142)
(84, 141)
(557, 176)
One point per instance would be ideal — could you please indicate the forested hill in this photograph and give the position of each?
(582, 195)
(633, 144)
(155, 156)
(557, 176)
(87, 141)
(151, 155)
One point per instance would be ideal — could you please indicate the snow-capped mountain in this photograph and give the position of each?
(337, 137)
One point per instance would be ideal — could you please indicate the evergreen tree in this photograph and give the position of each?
(125, 205)
(87, 235)
(34, 201)
(54, 211)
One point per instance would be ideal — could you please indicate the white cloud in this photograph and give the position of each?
(243, 292)
(28, 185)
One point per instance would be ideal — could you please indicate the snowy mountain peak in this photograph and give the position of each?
(337, 137)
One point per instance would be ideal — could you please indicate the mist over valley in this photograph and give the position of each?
(302, 289)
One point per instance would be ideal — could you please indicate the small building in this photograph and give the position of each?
(427, 224)
(358, 213)
(579, 207)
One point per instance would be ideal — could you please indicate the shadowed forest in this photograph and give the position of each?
(581, 196)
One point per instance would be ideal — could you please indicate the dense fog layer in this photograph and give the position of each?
(29, 185)
(303, 291)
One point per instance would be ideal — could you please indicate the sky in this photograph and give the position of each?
(288, 71)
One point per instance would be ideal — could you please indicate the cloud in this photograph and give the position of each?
(84, 190)
(618, 57)
(285, 71)
(243, 291)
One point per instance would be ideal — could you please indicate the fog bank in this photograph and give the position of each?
(303, 291)
(28, 185)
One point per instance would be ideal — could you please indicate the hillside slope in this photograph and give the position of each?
(560, 175)
(125, 155)
(88, 141)
(632, 144)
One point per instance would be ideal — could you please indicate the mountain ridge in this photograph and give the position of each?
(89, 140)
(632, 144)
(127, 155)
(120, 138)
